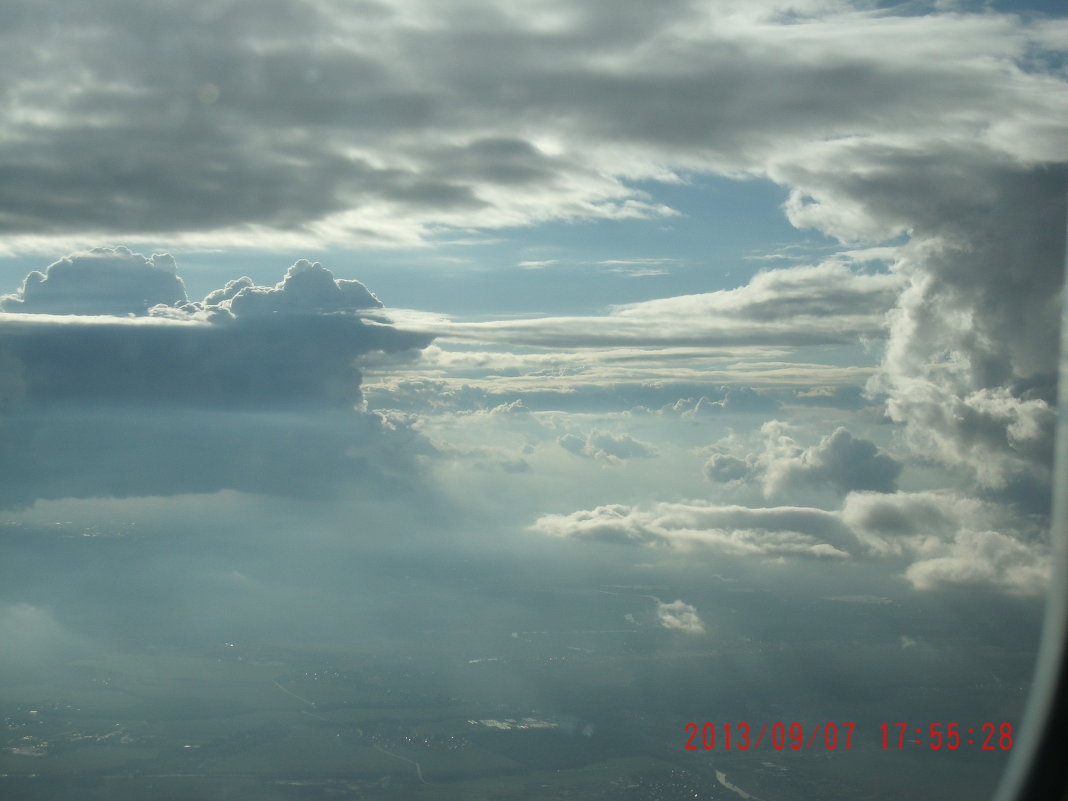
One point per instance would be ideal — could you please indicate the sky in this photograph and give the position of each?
(764, 292)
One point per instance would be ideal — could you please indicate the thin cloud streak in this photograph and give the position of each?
(825, 304)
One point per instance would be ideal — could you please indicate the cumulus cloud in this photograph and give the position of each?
(607, 447)
(101, 281)
(952, 539)
(839, 460)
(253, 388)
(972, 348)
(938, 539)
(679, 616)
(306, 287)
(722, 467)
(981, 559)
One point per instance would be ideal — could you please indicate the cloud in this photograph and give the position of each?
(840, 460)
(606, 447)
(680, 382)
(513, 408)
(727, 530)
(483, 382)
(243, 346)
(722, 467)
(332, 122)
(32, 637)
(103, 281)
(981, 559)
(253, 388)
(679, 616)
(938, 540)
(819, 304)
(840, 397)
(734, 399)
(953, 540)
(306, 287)
(972, 348)
(327, 123)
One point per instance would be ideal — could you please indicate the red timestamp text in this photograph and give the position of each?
(795, 736)
(947, 734)
(830, 736)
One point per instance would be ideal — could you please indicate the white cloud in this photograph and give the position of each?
(688, 382)
(937, 539)
(812, 305)
(728, 530)
(722, 467)
(679, 616)
(102, 281)
(839, 460)
(607, 447)
(981, 559)
(307, 287)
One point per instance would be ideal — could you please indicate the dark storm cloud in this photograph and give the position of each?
(254, 388)
(244, 346)
(81, 452)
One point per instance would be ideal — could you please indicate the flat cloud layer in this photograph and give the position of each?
(812, 305)
(938, 539)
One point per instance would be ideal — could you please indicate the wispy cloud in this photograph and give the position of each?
(815, 305)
